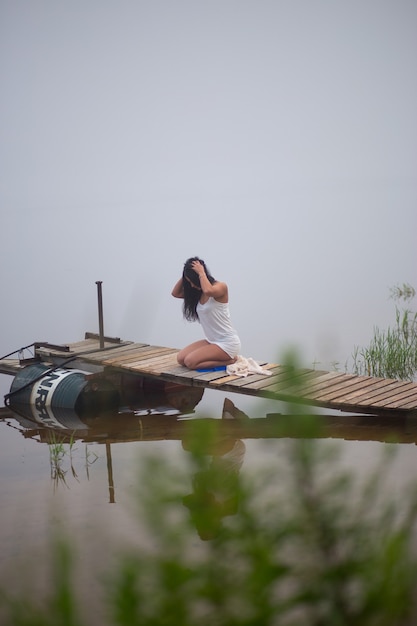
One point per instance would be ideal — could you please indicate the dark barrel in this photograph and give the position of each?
(48, 391)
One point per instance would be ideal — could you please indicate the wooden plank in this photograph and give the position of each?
(73, 348)
(240, 380)
(407, 388)
(281, 389)
(411, 403)
(323, 382)
(181, 371)
(10, 362)
(269, 384)
(343, 403)
(169, 357)
(255, 379)
(326, 385)
(290, 384)
(78, 348)
(347, 403)
(244, 381)
(137, 356)
(114, 351)
(371, 386)
(153, 371)
(371, 408)
(151, 358)
(404, 396)
(377, 399)
(75, 344)
(10, 366)
(247, 390)
(159, 368)
(147, 358)
(343, 389)
(136, 352)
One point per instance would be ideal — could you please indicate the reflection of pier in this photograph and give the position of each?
(169, 417)
(141, 425)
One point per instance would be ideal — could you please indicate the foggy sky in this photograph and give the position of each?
(276, 139)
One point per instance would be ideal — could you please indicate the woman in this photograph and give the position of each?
(206, 300)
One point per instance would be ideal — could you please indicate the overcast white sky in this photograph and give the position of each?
(276, 139)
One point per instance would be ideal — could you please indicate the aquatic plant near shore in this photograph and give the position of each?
(57, 453)
(392, 353)
(61, 450)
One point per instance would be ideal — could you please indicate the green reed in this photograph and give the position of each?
(62, 458)
(57, 453)
(392, 353)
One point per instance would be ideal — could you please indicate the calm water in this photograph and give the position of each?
(260, 139)
(90, 492)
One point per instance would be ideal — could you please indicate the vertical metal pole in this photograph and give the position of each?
(100, 313)
(110, 474)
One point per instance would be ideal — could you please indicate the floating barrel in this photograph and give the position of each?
(48, 390)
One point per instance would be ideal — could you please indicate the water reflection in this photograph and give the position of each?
(150, 415)
(215, 488)
(144, 415)
(167, 416)
(61, 428)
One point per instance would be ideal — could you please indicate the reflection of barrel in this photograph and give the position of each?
(55, 418)
(47, 390)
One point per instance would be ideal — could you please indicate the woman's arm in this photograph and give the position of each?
(178, 290)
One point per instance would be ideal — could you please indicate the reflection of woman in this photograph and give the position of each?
(216, 489)
(206, 300)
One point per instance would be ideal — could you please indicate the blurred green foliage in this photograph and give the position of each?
(299, 541)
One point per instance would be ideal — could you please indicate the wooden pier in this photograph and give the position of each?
(331, 390)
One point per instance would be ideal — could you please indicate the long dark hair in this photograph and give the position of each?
(191, 294)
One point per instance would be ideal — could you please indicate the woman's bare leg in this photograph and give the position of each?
(182, 354)
(202, 355)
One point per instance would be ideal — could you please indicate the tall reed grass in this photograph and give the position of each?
(392, 353)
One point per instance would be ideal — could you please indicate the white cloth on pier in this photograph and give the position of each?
(243, 367)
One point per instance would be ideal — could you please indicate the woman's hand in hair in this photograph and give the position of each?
(198, 268)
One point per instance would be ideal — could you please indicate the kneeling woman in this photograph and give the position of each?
(206, 300)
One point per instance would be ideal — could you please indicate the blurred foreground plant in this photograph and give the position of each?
(297, 542)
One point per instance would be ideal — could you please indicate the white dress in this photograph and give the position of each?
(214, 318)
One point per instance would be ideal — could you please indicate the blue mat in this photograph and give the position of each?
(219, 368)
